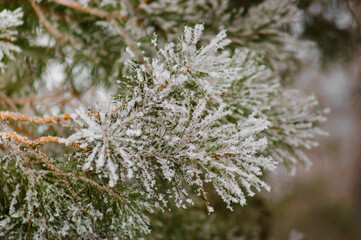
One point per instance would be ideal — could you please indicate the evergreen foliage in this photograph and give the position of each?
(155, 106)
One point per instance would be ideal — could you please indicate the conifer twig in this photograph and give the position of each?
(24, 118)
(33, 99)
(92, 11)
(48, 25)
(39, 141)
(16, 137)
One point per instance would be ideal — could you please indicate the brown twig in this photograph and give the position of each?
(61, 15)
(48, 25)
(24, 118)
(54, 97)
(16, 137)
(39, 141)
(89, 10)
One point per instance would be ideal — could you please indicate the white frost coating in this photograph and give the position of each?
(168, 128)
(294, 128)
(294, 117)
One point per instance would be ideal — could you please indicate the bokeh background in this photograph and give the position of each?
(324, 202)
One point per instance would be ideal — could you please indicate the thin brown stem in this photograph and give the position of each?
(54, 97)
(49, 26)
(16, 137)
(39, 141)
(89, 10)
(24, 118)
